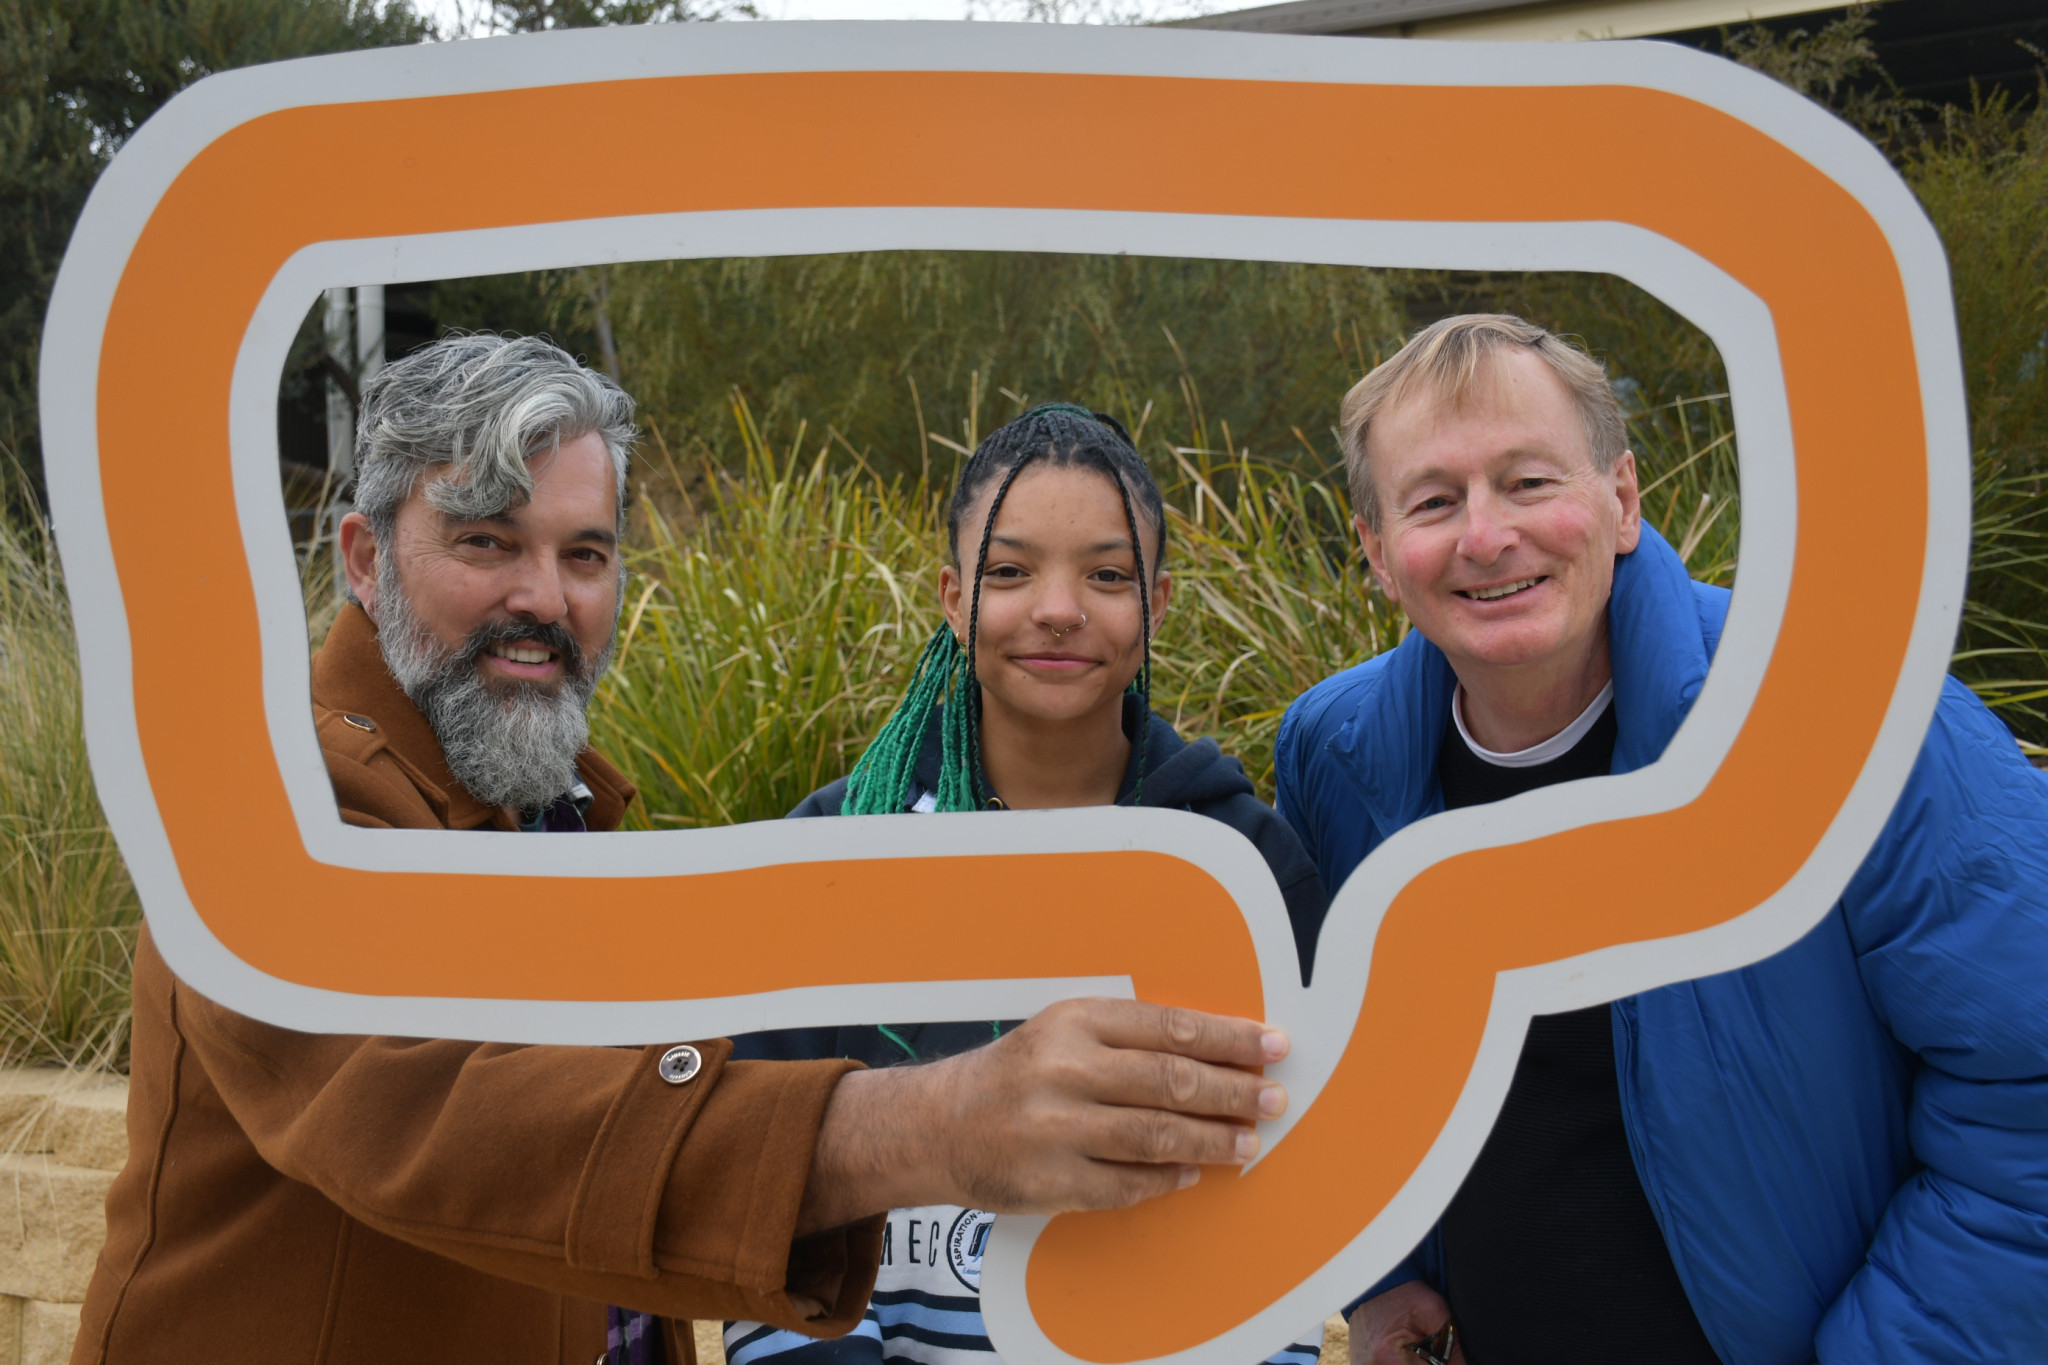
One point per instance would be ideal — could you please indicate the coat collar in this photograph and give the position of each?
(1165, 745)
(1660, 648)
(1388, 747)
(349, 676)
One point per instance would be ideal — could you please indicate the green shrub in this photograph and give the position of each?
(1982, 175)
(68, 913)
(775, 610)
(1984, 181)
(766, 623)
(888, 345)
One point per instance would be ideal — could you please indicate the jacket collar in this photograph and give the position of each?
(1659, 648)
(349, 676)
(1388, 747)
(1165, 744)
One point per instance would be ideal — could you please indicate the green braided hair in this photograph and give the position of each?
(1059, 435)
(882, 778)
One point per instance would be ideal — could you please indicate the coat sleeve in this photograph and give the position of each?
(1950, 918)
(577, 1170)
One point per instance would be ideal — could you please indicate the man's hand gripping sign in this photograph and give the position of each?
(1775, 228)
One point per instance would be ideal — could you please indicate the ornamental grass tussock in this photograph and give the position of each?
(68, 912)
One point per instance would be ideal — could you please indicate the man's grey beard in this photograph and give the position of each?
(510, 743)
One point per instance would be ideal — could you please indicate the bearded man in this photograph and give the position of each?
(517, 570)
(345, 1200)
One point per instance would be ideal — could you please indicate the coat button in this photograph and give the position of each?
(360, 722)
(680, 1064)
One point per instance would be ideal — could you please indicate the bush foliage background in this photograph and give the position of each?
(778, 603)
(806, 416)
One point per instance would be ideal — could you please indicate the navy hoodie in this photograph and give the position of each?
(1178, 775)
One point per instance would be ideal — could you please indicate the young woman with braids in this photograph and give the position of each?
(1033, 694)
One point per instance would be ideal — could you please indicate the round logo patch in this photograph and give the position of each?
(965, 1244)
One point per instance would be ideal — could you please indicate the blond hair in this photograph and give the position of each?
(1445, 359)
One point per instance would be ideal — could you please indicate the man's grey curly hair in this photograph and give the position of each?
(486, 405)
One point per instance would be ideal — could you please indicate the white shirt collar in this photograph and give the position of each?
(1556, 746)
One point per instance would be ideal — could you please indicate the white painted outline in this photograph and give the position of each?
(1320, 1019)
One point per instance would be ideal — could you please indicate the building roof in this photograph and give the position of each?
(1935, 50)
(1499, 19)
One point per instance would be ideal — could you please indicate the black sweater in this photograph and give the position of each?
(1551, 1250)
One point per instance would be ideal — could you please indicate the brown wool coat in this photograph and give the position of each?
(293, 1197)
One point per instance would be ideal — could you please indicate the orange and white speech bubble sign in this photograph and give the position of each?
(1772, 226)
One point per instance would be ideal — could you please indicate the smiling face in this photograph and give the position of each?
(498, 628)
(537, 588)
(1060, 633)
(1497, 532)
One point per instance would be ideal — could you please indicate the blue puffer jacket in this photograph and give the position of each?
(1846, 1145)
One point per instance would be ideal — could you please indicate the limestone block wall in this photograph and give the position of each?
(63, 1135)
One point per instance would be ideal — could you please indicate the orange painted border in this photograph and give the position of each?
(1696, 176)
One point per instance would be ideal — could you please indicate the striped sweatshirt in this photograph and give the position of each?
(926, 1307)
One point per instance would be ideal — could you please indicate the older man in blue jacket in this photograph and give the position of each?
(1838, 1154)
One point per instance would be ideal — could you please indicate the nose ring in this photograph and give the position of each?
(1057, 632)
